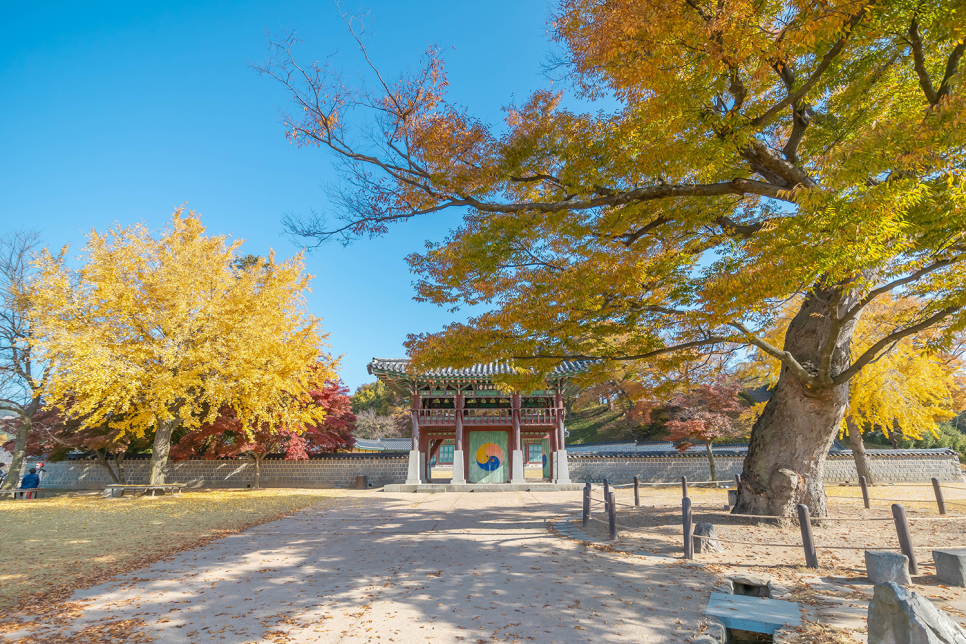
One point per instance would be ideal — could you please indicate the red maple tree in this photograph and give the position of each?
(705, 413)
(227, 438)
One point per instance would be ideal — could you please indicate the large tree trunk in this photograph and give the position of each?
(19, 453)
(785, 465)
(257, 479)
(858, 450)
(120, 467)
(714, 470)
(160, 449)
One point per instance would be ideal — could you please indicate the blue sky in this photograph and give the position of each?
(120, 112)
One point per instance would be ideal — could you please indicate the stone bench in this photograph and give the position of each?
(115, 491)
(755, 614)
(29, 493)
(951, 566)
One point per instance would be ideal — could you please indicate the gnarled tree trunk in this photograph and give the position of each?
(19, 452)
(103, 462)
(858, 450)
(785, 465)
(160, 449)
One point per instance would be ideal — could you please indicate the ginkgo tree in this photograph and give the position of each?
(149, 334)
(758, 152)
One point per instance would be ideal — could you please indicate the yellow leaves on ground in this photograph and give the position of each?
(149, 329)
(72, 541)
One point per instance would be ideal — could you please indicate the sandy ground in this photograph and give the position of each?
(841, 541)
(394, 568)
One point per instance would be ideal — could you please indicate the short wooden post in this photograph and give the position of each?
(865, 491)
(586, 513)
(684, 487)
(905, 539)
(939, 496)
(686, 520)
(606, 494)
(737, 480)
(612, 515)
(811, 557)
(637, 492)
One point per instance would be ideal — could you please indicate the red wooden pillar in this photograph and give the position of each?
(460, 461)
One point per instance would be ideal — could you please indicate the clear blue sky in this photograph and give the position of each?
(121, 111)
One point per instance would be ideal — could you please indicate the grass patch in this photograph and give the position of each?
(57, 545)
(598, 425)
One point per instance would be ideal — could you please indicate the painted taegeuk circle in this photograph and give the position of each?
(489, 457)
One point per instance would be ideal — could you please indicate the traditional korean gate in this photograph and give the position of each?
(488, 457)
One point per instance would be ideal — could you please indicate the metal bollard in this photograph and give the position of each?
(865, 491)
(688, 529)
(808, 541)
(684, 487)
(905, 539)
(612, 516)
(586, 517)
(939, 496)
(637, 492)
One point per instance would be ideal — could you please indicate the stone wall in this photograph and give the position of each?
(886, 468)
(340, 470)
(334, 470)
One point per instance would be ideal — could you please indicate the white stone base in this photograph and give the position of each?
(459, 476)
(562, 470)
(517, 475)
(414, 476)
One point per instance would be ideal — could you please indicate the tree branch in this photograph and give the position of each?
(871, 352)
(640, 356)
(785, 357)
(815, 76)
(919, 62)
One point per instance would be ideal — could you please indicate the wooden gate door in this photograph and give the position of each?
(488, 456)
(545, 448)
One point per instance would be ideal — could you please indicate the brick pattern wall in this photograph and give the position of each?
(902, 468)
(333, 471)
(341, 470)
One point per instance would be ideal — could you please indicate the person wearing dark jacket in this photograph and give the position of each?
(31, 481)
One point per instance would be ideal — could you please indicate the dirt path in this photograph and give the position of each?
(396, 568)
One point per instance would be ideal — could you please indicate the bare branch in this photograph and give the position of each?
(785, 357)
(919, 62)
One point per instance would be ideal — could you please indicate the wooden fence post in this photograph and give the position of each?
(905, 539)
(939, 496)
(612, 515)
(637, 492)
(811, 557)
(684, 487)
(686, 520)
(737, 481)
(606, 494)
(865, 491)
(586, 513)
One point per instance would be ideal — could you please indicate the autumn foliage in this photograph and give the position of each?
(152, 334)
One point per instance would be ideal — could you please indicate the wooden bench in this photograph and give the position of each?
(119, 490)
(32, 493)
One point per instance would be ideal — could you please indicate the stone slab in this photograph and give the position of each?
(755, 614)
(886, 565)
(951, 566)
(485, 487)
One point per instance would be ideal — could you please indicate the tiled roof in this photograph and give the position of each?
(366, 443)
(401, 366)
(396, 444)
